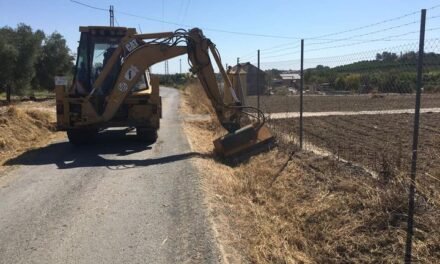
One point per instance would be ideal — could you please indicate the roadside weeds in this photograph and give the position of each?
(315, 210)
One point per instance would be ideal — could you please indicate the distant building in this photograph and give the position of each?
(244, 79)
(289, 78)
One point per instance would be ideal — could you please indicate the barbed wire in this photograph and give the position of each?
(364, 42)
(431, 46)
(374, 32)
(358, 41)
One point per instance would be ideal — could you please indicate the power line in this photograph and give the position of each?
(207, 29)
(163, 11)
(275, 51)
(248, 33)
(247, 55)
(359, 28)
(251, 54)
(366, 26)
(277, 46)
(280, 55)
(322, 37)
(365, 34)
(180, 8)
(283, 49)
(374, 24)
(353, 44)
(371, 33)
(367, 54)
(188, 3)
(89, 6)
(188, 26)
(263, 55)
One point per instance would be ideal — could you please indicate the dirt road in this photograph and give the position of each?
(116, 201)
(350, 113)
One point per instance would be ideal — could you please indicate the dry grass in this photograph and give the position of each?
(196, 101)
(316, 210)
(23, 127)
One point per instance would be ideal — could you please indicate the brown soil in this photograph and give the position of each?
(319, 103)
(382, 143)
(287, 206)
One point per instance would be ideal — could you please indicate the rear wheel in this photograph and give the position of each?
(146, 134)
(81, 136)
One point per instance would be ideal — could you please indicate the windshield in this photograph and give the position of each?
(82, 81)
(93, 54)
(103, 49)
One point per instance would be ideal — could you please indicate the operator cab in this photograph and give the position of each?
(96, 46)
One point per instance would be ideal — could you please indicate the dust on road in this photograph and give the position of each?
(116, 201)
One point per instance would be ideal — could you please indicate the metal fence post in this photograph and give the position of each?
(258, 79)
(412, 184)
(301, 89)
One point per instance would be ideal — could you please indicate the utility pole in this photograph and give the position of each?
(112, 16)
(166, 68)
(238, 60)
(180, 65)
(258, 79)
(301, 91)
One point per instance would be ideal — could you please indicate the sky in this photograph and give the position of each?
(330, 28)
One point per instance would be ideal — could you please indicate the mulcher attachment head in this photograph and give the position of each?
(243, 143)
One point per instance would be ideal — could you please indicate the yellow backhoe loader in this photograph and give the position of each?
(113, 87)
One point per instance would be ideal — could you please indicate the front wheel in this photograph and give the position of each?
(148, 135)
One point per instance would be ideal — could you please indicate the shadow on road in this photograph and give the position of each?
(114, 143)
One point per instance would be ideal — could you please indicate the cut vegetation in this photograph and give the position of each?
(25, 126)
(287, 206)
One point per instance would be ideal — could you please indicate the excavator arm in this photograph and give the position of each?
(138, 52)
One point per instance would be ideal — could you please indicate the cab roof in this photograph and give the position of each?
(104, 29)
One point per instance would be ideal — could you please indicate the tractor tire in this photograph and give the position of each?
(79, 137)
(148, 135)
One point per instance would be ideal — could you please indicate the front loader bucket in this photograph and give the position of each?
(246, 141)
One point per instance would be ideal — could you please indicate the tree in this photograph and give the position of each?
(8, 58)
(19, 50)
(28, 45)
(307, 75)
(352, 82)
(29, 59)
(54, 59)
(386, 56)
(340, 83)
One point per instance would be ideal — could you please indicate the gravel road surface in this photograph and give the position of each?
(115, 201)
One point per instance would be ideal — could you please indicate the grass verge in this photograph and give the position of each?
(287, 206)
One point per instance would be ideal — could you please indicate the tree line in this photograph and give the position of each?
(387, 73)
(31, 59)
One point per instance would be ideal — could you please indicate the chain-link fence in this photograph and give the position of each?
(359, 103)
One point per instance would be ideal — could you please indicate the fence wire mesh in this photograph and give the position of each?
(359, 105)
